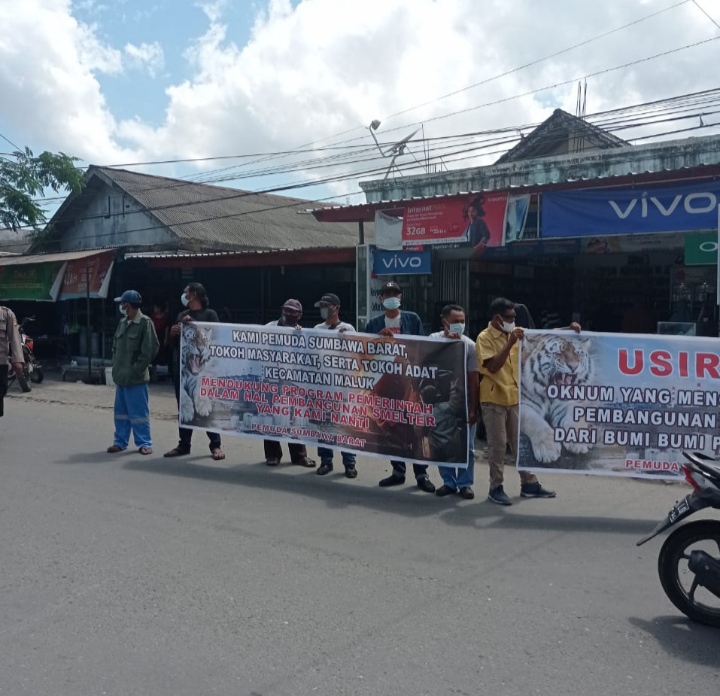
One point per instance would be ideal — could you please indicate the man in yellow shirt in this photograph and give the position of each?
(498, 357)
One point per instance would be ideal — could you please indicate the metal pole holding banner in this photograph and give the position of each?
(88, 337)
(717, 273)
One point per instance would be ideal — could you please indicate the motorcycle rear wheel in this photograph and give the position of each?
(673, 554)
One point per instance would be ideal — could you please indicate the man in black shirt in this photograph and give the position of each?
(196, 300)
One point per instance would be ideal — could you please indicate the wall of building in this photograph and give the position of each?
(113, 219)
(597, 164)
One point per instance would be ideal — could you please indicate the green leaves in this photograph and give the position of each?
(25, 177)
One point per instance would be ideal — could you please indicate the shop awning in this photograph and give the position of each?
(52, 277)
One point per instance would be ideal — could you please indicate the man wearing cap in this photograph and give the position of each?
(135, 345)
(197, 308)
(290, 316)
(396, 321)
(329, 305)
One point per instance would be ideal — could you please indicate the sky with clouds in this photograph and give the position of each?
(137, 81)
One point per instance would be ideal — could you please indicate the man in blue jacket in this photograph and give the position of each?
(392, 323)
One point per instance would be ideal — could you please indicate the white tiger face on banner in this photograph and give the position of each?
(547, 360)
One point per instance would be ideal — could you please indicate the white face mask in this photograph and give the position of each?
(123, 311)
(391, 303)
(508, 327)
(456, 328)
(184, 300)
(324, 312)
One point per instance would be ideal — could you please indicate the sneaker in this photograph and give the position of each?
(499, 496)
(535, 490)
(445, 490)
(392, 480)
(425, 484)
(324, 469)
(467, 493)
(350, 472)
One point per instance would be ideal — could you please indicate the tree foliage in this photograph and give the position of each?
(24, 178)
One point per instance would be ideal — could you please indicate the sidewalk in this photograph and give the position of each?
(54, 391)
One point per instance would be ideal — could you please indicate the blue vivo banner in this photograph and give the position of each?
(631, 211)
(402, 262)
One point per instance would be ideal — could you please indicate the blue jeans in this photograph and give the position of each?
(461, 478)
(326, 457)
(132, 413)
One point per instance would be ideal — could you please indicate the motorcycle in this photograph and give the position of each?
(32, 370)
(689, 576)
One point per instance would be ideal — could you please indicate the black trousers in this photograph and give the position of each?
(3, 387)
(187, 433)
(273, 450)
(399, 469)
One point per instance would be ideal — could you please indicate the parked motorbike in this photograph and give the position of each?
(689, 561)
(32, 370)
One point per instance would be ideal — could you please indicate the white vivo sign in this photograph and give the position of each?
(605, 212)
(693, 204)
(396, 262)
(402, 262)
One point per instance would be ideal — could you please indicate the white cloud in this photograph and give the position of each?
(147, 56)
(50, 90)
(325, 67)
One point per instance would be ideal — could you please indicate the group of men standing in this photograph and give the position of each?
(493, 390)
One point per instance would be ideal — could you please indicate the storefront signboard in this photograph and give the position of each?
(605, 212)
(38, 281)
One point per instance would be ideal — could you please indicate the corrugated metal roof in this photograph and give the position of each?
(212, 254)
(560, 126)
(47, 258)
(218, 216)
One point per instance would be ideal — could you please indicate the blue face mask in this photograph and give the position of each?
(391, 303)
(184, 300)
(457, 328)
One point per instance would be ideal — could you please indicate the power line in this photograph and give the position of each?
(540, 60)
(509, 72)
(705, 13)
(452, 157)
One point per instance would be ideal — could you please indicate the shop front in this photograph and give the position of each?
(634, 259)
(67, 294)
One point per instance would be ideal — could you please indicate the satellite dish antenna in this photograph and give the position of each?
(393, 151)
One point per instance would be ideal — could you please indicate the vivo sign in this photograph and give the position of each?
(402, 262)
(634, 211)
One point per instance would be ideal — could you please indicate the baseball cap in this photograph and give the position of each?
(329, 298)
(131, 296)
(293, 304)
(390, 286)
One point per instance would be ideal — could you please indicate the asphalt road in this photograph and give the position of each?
(124, 574)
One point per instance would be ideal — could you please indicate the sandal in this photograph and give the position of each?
(217, 454)
(145, 450)
(176, 452)
(114, 449)
(307, 463)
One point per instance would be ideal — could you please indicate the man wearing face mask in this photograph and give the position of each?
(396, 321)
(290, 316)
(329, 305)
(461, 480)
(135, 345)
(196, 302)
(498, 357)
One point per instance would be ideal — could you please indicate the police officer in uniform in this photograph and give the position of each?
(10, 345)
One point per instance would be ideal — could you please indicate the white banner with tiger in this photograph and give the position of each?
(400, 397)
(617, 404)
